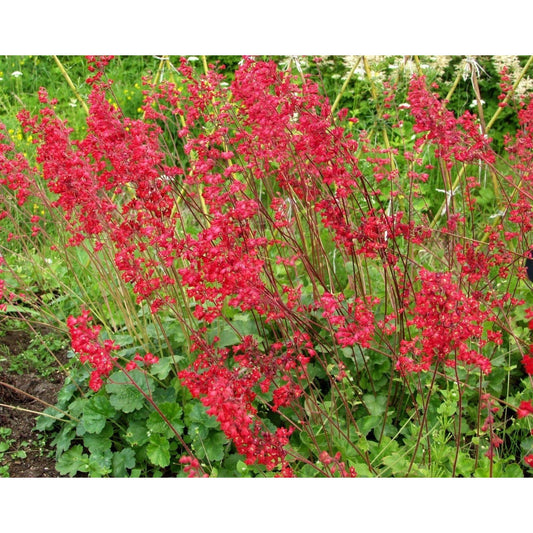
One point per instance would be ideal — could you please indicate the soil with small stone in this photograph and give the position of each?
(22, 397)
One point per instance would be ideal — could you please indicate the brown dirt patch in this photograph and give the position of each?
(22, 397)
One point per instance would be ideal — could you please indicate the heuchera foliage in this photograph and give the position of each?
(277, 192)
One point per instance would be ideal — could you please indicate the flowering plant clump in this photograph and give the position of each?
(310, 287)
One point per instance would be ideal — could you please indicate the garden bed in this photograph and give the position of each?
(22, 396)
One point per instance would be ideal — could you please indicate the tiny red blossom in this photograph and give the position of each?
(524, 409)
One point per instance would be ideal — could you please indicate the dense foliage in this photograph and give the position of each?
(291, 267)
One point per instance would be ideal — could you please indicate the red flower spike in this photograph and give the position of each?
(84, 341)
(524, 409)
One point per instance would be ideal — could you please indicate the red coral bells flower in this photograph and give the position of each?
(192, 468)
(527, 361)
(528, 459)
(524, 409)
(335, 464)
(447, 320)
(458, 139)
(84, 341)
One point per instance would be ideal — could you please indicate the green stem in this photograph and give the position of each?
(70, 84)
(510, 93)
(343, 88)
(489, 125)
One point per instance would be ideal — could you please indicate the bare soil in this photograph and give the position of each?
(22, 397)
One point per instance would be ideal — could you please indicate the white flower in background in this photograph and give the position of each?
(73, 102)
(514, 70)
(406, 63)
(474, 103)
(298, 61)
(351, 61)
(16, 74)
(441, 63)
(469, 65)
(192, 58)
(511, 62)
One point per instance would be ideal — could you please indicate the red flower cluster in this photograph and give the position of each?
(192, 468)
(488, 425)
(119, 159)
(335, 464)
(148, 359)
(447, 321)
(524, 409)
(456, 139)
(520, 150)
(84, 341)
(15, 172)
(270, 184)
(229, 394)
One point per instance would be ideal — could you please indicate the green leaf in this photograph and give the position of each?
(376, 405)
(245, 325)
(363, 470)
(162, 368)
(172, 412)
(158, 451)
(447, 409)
(465, 465)
(44, 422)
(96, 413)
(227, 337)
(513, 470)
(198, 422)
(368, 423)
(125, 397)
(241, 468)
(164, 394)
(196, 412)
(137, 433)
(197, 432)
(214, 445)
(73, 461)
(398, 463)
(20, 310)
(99, 443)
(64, 438)
(125, 459)
(100, 463)
(76, 407)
